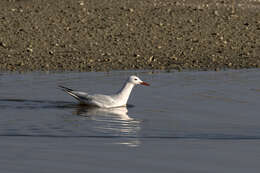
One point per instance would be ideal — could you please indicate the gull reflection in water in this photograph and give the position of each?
(114, 122)
(119, 113)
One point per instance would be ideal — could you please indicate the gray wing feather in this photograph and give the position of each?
(97, 99)
(101, 100)
(81, 96)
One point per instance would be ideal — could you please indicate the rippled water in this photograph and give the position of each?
(185, 121)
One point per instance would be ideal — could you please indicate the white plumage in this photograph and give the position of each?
(107, 101)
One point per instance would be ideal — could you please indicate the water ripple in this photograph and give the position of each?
(199, 137)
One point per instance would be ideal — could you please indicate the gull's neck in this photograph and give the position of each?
(124, 93)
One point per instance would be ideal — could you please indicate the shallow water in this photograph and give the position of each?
(185, 122)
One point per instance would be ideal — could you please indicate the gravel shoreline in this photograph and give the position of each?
(102, 35)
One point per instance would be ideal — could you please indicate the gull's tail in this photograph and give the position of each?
(70, 92)
(81, 97)
(65, 88)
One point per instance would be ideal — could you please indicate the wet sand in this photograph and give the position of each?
(101, 35)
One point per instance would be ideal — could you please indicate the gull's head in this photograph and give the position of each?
(136, 81)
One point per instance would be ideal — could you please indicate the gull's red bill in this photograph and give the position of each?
(144, 83)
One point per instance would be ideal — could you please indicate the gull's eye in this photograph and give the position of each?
(135, 79)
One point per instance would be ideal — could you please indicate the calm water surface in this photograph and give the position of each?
(183, 122)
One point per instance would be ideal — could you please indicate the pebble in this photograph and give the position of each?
(185, 37)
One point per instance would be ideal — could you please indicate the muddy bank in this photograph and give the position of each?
(103, 35)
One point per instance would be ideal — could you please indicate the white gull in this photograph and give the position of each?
(106, 101)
